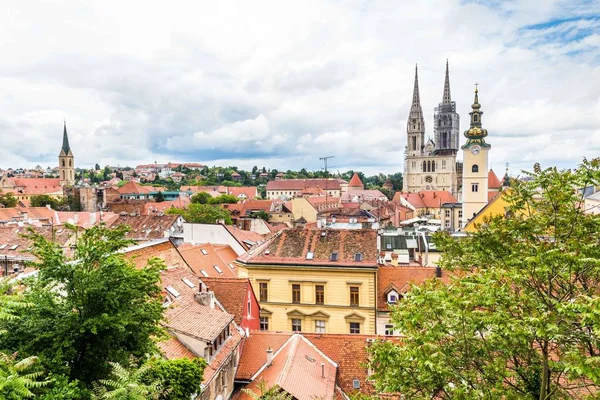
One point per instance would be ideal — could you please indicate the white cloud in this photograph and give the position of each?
(279, 84)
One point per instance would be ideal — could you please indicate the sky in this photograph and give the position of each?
(280, 83)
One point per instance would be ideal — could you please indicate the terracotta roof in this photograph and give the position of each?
(163, 249)
(491, 195)
(153, 207)
(244, 237)
(214, 191)
(33, 186)
(363, 195)
(223, 354)
(204, 260)
(348, 351)
(186, 315)
(300, 184)
(426, 198)
(493, 181)
(146, 227)
(17, 247)
(250, 206)
(173, 349)
(132, 187)
(355, 182)
(301, 370)
(401, 279)
(249, 192)
(231, 293)
(291, 246)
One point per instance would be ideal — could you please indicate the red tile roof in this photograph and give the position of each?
(17, 247)
(401, 279)
(244, 237)
(132, 187)
(203, 265)
(493, 181)
(231, 293)
(33, 186)
(146, 227)
(254, 353)
(291, 246)
(173, 349)
(299, 369)
(153, 208)
(300, 184)
(426, 198)
(163, 249)
(355, 182)
(248, 192)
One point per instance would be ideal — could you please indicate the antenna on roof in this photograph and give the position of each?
(325, 159)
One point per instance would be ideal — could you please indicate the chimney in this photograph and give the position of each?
(269, 357)
(438, 272)
(322, 370)
(205, 298)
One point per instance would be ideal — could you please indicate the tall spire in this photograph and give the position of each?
(447, 99)
(476, 134)
(65, 144)
(416, 98)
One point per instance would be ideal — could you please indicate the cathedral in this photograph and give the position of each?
(432, 165)
(66, 162)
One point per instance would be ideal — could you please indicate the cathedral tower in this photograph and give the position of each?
(446, 122)
(415, 127)
(66, 162)
(475, 161)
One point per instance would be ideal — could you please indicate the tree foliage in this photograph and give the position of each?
(19, 378)
(521, 318)
(182, 377)
(202, 213)
(267, 393)
(128, 384)
(7, 199)
(43, 200)
(201, 198)
(224, 199)
(88, 310)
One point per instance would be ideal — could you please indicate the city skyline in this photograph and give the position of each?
(279, 85)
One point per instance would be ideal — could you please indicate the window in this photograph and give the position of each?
(63, 163)
(295, 293)
(310, 255)
(447, 213)
(320, 326)
(355, 327)
(354, 295)
(358, 257)
(392, 297)
(475, 168)
(219, 270)
(263, 291)
(474, 187)
(249, 309)
(320, 294)
(334, 256)
(389, 329)
(296, 325)
(459, 213)
(203, 272)
(204, 252)
(264, 323)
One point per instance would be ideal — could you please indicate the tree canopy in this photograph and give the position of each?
(521, 317)
(8, 199)
(203, 213)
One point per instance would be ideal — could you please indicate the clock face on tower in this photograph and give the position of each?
(475, 149)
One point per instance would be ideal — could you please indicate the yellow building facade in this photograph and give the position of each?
(497, 206)
(312, 280)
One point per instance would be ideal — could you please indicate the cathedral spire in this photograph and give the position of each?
(416, 103)
(447, 99)
(65, 144)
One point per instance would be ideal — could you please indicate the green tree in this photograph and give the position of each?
(201, 198)
(10, 303)
(224, 199)
(128, 384)
(42, 200)
(203, 213)
(159, 197)
(181, 378)
(97, 167)
(262, 214)
(19, 378)
(268, 393)
(94, 308)
(521, 318)
(7, 199)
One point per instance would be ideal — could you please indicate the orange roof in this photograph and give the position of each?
(174, 349)
(291, 246)
(300, 184)
(17, 247)
(152, 207)
(164, 250)
(248, 192)
(205, 261)
(355, 182)
(132, 187)
(300, 369)
(491, 195)
(493, 181)
(245, 238)
(250, 206)
(400, 279)
(426, 198)
(33, 186)
(231, 293)
(145, 227)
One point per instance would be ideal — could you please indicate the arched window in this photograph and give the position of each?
(433, 166)
(63, 162)
(70, 163)
(475, 168)
(424, 166)
(475, 117)
(63, 174)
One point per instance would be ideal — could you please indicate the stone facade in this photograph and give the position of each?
(432, 165)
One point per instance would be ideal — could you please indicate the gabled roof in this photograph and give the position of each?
(153, 208)
(493, 181)
(425, 198)
(33, 186)
(245, 238)
(231, 293)
(355, 182)
(300, 184)
(249, 192)
(162, 248)
(146, 227)
(299, 369)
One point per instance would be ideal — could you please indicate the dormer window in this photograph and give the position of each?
(392, 297)
(310, 255)
(358, 257)
(334, 256)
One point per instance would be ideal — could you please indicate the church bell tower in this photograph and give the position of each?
(475, 165)
(66, 162)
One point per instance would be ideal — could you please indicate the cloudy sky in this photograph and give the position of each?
(282, 83)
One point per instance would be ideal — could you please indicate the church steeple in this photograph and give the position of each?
(415, 127)
(66, 149)
(476, 134)
(447, 99)
(416, 102)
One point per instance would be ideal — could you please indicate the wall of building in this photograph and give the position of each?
(301, 208)
(210, 233)
(336, 310)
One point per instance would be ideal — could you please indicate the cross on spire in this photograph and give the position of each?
(476, 84)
